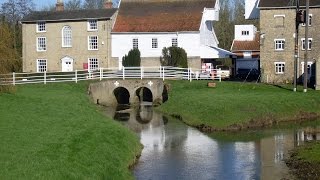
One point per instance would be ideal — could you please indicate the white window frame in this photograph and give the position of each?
(174, 42)
(93, 64)
(41, 27)
(245, 33)
(309, 21)
(303, 43)
(92, 25)
(278, 67)
(92, 45)
(135, 43)
(66, 36)
(154, 43)
(279, 44)
(310, 63)
(39, 42)
(42, 68)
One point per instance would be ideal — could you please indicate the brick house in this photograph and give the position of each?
(67, 40)
(277, 36)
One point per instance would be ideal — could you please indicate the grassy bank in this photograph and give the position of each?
(304, 161)
(233, 105)
(53, 132)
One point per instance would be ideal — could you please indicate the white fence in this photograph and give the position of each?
(107, 73)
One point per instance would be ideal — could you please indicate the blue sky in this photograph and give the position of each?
(41, 3)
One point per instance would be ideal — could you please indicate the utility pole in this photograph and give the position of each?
(298, 18)
(306, 42)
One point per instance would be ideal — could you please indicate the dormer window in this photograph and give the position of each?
(92, 25)
(41, 27)
(245, 33)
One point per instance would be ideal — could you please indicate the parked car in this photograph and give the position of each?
(223, 71)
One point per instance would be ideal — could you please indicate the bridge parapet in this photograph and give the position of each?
(114, 91)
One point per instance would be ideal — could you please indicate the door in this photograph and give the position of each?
(67, 64)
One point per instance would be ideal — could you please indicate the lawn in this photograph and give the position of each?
(54, 132)
(237, 103)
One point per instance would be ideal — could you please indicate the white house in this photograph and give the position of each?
(246, 47)
(151, 25)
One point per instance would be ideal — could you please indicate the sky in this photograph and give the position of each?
(41, 3)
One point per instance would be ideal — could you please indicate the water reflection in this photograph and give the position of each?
(173, 150)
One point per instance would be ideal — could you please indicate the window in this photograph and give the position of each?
(66, 36)
(41, 27)
(245, 33)
(303, 46)
(279, 20)
(41, 44)
(279, 44)
(154, 43)
(93, 64)
(135, 43)
(93, 42)
(279, 67)
(92, 25)
(308, 68)
(41, 65)
(174, 42)
(310, 21)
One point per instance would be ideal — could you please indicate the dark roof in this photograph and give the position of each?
(247, 45)
(286, 3)
(161, 15)
(69, 15)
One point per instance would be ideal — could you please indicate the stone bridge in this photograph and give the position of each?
(130, 91)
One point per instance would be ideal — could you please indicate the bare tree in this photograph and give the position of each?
(73, 5)
(93, 4)
(14, 10)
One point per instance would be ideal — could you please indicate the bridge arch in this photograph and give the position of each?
(144, 94)
(122, 95)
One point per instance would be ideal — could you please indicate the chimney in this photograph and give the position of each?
(59, 5)
(108, 4)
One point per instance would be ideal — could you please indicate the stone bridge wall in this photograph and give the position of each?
(102, 92)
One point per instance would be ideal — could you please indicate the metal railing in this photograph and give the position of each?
(162, 72)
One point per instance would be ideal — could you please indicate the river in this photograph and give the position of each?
(173, 150)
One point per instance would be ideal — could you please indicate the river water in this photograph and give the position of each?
(173, 150)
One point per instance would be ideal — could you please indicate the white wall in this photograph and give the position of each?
(122, 43)
(251, 9)
(238, 32)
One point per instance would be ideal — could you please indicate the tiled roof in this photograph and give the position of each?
(246, 45)
(161, 15)
(69, 15)
(285, 3)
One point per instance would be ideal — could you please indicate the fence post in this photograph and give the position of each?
(190, 75)
(163, 73)
(123, 73)
(101, 73)
(45, 77)
(14, 78)
(141, 71)
(89, 74)
(76, 76)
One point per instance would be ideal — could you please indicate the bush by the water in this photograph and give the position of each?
(174, 56)
(133, 58)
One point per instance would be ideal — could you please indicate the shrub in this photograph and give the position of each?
(133, 58)
(174, 56)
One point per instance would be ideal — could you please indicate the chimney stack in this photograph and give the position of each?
(59, 5)
(108, 4)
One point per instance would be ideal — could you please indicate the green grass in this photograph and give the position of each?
(310, 153)
(54, 132)
(236, 103)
